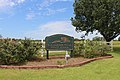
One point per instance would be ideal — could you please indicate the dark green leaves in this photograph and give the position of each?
(101, 15)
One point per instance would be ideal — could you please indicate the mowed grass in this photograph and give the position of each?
(107, 69)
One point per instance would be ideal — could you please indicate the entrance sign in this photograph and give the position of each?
(59, 42)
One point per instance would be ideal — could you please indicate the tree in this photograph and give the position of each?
(101, 15)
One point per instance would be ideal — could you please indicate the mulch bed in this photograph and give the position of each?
(54, 62)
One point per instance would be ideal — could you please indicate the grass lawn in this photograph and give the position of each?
(108, 69)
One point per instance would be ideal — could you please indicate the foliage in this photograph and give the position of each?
(61, 62)
(12, 51)
(108, 69)
(78, 48)
(101, 15)
(98, 38)
(91, 49)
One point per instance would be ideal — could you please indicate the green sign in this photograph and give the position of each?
(59, 42)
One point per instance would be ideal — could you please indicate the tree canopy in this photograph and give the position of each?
(101, 15)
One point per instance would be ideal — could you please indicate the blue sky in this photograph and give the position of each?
(36, 19)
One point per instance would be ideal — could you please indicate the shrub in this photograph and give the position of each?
(61, 62)
(98, 38)
(78, 49)
(12, 52)
(91, 49)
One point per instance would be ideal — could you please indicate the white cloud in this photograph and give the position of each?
(43, 8)
(10, 3)
(47, 3)
(20, 1)
(64, 0)
(51, 11)
(61, 10)
(57, 27)
(7, 7)
(6, 3)
(30, 16)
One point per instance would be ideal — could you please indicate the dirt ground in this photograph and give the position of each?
(54, 61)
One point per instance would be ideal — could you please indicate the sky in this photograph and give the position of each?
(37, 19)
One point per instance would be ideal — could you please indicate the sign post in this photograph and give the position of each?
(71, 53)
(47, 55)
(67, 56)
(59, 42)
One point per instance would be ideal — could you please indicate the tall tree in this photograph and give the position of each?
(101, 15)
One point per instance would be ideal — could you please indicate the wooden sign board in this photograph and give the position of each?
(59, 42)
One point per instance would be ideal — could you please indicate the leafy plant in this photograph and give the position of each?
(78, 49)
(91, 49)
(60, 62)
(97, 15)
(12, 51)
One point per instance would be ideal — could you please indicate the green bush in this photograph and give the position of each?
(12, 52)
(78, 49)
(91, 49)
